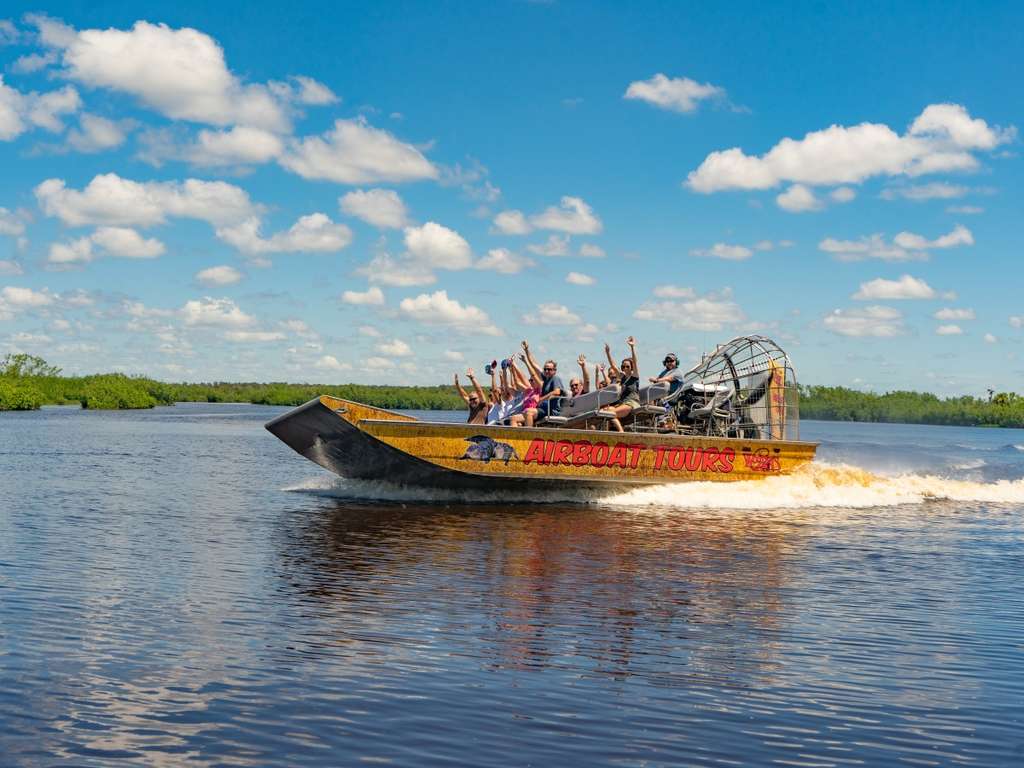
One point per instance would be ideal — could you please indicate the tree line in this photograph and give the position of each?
(28, 382)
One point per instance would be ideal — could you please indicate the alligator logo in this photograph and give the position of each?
(484, 449)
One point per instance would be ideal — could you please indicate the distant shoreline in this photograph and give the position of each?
(119, 392)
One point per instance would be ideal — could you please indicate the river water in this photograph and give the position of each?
(177, 587)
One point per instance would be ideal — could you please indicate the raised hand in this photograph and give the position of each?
(607, 349)
(582, 360)
(526, 345)
(631, 341)
(469, 372)
(456, 379)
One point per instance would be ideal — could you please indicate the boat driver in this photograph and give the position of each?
(672, 375)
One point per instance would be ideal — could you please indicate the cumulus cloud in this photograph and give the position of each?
(251, 337)
(724, 251)
(123, 242)
(401, 273)
(315, 233)
(96, 133)
(553, 246)
(381, 208)
(437, 247)
(372, 297)
(906, 287)
(951, 313)
(990, 339)
(678, 94)
(592, 251)
(572, 216)
(551, 313)
(949, 330)
(504, 261)
(872, 321)
(331, 363)
(437, 309)
(180, 73)
(240, 145)
(353, 152)
(217, 276)
(20, 112)
(906, 246)
(1016, 321)
(843, 194)
(395, 348)
(215, 313)
(798, 199)
(12, 222)
(578, 278)
(111, 200)
(683, 309)
(943, 137)
(512, 223)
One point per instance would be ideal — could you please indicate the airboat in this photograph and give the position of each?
(734, 417)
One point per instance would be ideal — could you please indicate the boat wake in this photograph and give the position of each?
(816, 485)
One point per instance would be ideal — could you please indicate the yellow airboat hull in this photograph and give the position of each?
(359, 441)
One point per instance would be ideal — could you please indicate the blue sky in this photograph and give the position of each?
(393, 191)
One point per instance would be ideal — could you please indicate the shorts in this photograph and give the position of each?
(633, 402)
(547, 408)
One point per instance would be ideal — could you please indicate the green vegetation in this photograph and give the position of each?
(27, 382)
(1005, 409)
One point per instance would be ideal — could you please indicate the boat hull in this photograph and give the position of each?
(358, 441)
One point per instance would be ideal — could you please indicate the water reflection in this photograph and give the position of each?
(660, 595)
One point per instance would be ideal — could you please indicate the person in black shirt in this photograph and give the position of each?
(628, 377)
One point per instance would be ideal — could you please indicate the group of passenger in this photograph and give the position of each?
(522, 399)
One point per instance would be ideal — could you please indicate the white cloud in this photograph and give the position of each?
(906, 287)
(378, 363)
(551, 314)
(798, 199)
(970, 210)
(313, 92)
(437, 309)
(936, 190)
(112, 200)
(221, 313)
(843, 194)
(239, 145)
(951, 313)
(401, 273)
(395, 348)
(959, 236)
(331, 363)
(512, 223)
(315, 233)
(356, 153)
(17, 297)
(74, 252)
(553, 246)
(906, 246)
(369, 330)
(20, 112)
(374, 296)
(578, 278)
(679, 94)
(382, 208)
(8, 267)
(504, 261)
(127, 243)
(674, 292)
(33, 62)
(438, 247)
(592, 251)
(181, 73)
(724, 251)
(1016, 321)
(216, 276)
(942, 138)
(257, 337)
(9, 34)
(572, 216)
(96, 134)
(687, 311)
(990, 339)
(872, 321)
(453, 355)
(12, 222)
(949, 330)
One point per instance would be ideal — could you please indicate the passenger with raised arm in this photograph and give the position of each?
(600, 379)
(475, 401)
(672, 375)
(629, 382)
(552, 389)
(577, 386)
(531, 395)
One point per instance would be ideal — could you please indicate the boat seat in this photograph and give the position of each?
(575, 409)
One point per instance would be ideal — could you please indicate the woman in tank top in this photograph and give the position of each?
(628, 377)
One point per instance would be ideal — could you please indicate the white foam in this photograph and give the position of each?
(816, 485)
